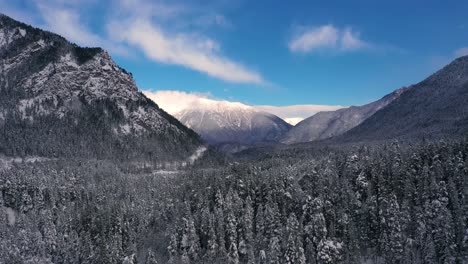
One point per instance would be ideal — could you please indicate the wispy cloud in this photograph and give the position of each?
(176, 101)
(461, 52)
(66, 22)
(327, 37)
(351, 40)
(63, 17)
(314, 38)
(189, 50)
(142, 26)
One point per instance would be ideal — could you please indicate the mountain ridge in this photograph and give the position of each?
(433, 108)
(328, 124)
(93, 102)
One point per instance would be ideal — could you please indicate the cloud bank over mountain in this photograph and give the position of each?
(174, 102)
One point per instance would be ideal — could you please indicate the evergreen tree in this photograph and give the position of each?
(212, 243)
(219, 215)
(314, 226)
(329, 251)
(274, 251)
(392, 237)
(294, 250)
(231, 235)
(173, 248)
(260, 228)
(150, 257)
(442, 224)
(246, 248)
(190, 242)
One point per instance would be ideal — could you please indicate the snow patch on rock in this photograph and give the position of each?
(22, 32)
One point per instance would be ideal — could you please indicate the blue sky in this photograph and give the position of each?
(275, 53)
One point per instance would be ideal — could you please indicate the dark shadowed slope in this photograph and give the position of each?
(61, 100)
(333, 123)
(434, 108)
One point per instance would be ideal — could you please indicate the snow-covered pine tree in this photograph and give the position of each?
(246, 241)
(441, 221)
(315, 228)
(231, 238)
(294, 249)
(150, 257)
(212, 246)
(173, 248)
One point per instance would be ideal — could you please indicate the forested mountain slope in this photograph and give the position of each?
(333, 123)
(61, 100)
(434, 108)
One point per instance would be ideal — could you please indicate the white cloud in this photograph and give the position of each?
(66, 22)
(313, 38)
(175, 101)
(351, 40)
(188, 50)
(63, 17)
(461, 52)
(327, 37)
(145, 25)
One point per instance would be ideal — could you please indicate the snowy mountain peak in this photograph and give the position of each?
(223, 121)
(223, 113)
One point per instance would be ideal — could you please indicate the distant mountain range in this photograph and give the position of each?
(435, 108)
(229, 122)
(235, 126)
(333, 123)
(61, 100)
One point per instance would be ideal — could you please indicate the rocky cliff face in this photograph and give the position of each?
(58, 99)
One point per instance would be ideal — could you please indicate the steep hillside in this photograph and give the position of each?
(61, 100)
(434, 108)
(333, 123)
